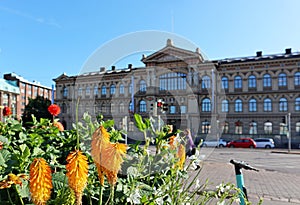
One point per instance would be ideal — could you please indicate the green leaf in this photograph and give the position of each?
(37, 151)
(4, 156)
(139, 123)
(109, 123)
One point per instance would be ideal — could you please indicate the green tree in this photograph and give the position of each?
(37, 107)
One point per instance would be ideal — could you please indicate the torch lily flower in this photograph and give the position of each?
(77, 173)
(40, 181)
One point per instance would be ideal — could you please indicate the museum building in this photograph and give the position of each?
(253, 96)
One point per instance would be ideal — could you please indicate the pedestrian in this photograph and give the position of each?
(190, 142)
(193, 154)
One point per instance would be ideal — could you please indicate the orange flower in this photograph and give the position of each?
(181, 156)
(113, 158)
(54, 109)
(172, 142)
(6, 111)
(40, 181)
(100, 140)
(59, 126)
(12, 179)
(77, 173)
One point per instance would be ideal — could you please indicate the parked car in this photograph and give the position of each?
(214, 143)
(264, 142)
(243, 143)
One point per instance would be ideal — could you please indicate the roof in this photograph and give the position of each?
(23, 80)
(8, 86)
(259, 58)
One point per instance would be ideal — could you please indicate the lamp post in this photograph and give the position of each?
(218, 129)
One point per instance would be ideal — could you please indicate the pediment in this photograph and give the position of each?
(61, 77)
(172, 53)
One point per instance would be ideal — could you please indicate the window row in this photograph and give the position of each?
(239, 127)
(206, 105)
(267, 81)
(177, 81)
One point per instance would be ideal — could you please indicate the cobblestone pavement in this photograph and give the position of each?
(274, 187)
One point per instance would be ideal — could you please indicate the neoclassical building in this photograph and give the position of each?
(232, 97)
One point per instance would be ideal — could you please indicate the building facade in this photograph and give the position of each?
(9, 96)
(27, 90)
(256, 96)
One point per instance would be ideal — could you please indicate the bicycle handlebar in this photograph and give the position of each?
(242, 164)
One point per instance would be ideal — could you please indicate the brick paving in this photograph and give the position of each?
(274, 187)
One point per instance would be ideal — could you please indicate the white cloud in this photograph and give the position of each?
(50, 22)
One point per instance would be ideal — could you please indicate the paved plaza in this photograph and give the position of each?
(275, 183)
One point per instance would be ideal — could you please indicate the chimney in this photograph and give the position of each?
(113, 67)
(288, 51)
(102, 69)
(129, 66)
(258, 53)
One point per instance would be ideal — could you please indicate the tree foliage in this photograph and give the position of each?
(37, 107)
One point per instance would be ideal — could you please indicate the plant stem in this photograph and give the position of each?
(17, 190)
(76, 114)
(112, 191)
(9, 197)
(100, 195)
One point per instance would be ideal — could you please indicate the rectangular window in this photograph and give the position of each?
(183, 109)
(172, 109)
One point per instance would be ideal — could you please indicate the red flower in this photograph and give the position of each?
(6, 111)
(54, 109)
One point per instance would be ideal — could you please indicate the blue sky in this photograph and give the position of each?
(40, 40)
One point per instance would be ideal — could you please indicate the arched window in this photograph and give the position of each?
(79, 91)
(103, 108)
(205, 125)
(297, 104)
(297, 79)
(283, 128)
(143, 86)
(172, 81)
(121, 108)
(252, 105)
(64, 108)
(238, 106)
(103, 90)
(238, 82)
(224, 82)
(122, 90)
(143, 106)
(268, 105)
(112, 89)
(225, 128)
(65, 92)
(225, 106)
(96, 90)
(252, 128)
(298, 128)
(205, 82)
(112, 107)
(87, 90)
(267, 80)
(130, 107)
(282, 80)
(252, 81)
(130, 89)
(206, 105)
(131, 126)
(283, 105)
(238, 127)
(268, 127)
